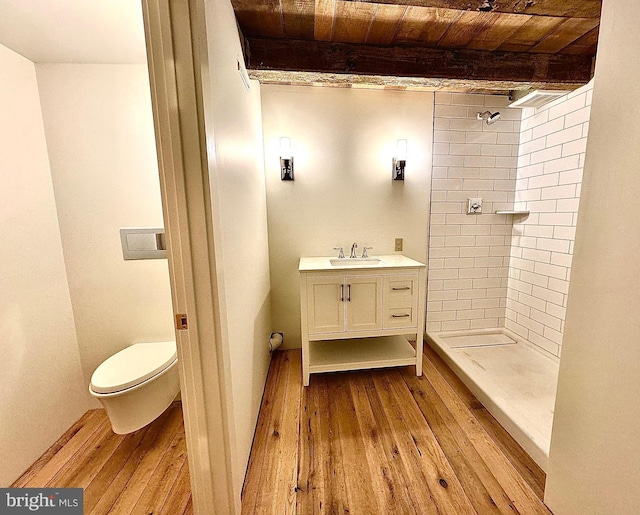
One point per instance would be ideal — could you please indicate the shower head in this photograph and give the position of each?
(493, 118)
(489, 117)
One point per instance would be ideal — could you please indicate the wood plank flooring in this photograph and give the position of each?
(383, 441)
(145, 472)
(371, 442)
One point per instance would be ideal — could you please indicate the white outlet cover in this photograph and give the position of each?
(474, 207)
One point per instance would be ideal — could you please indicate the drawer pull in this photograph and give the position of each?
(401, 316)
(403, 288)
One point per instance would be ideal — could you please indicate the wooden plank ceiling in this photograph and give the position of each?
(462, 45)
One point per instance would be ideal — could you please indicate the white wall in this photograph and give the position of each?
(43, 391)
(99, 131)
(595, 444)
(469, 254)
(553, 142)
(240, 227)
(343, 142)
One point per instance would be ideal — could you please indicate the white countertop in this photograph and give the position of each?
(311, 264)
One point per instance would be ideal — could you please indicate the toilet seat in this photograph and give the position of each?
(133, 366)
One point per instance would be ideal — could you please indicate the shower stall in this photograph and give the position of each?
(504, 206)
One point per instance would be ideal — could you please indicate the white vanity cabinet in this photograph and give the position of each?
(356, 317)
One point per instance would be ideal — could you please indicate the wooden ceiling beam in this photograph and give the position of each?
(402, 83)
(420, 63)
(562, 8)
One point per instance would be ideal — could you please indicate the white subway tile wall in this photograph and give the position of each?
(469, 254)
(550, 160)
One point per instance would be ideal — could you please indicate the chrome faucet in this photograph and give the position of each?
(364, 252)
(353, 250)
(340, 252)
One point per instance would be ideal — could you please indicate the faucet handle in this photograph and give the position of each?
(340, 252)
(364, 251)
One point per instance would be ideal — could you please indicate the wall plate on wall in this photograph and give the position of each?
(143, 243)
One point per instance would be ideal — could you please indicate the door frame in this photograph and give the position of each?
(175, 33)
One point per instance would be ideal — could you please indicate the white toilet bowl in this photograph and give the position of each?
(137, 384)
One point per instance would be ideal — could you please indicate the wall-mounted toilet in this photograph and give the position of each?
(137, 384)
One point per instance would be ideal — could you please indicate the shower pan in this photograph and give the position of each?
(513, 379)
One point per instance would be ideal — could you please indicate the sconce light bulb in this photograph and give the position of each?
(401, 150)
(285, 148)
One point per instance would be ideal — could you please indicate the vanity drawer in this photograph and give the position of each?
(401, 291)
(400, 317)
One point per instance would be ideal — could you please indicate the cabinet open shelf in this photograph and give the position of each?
(360, 353)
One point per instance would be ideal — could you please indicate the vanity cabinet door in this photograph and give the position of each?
(325, 306)
(363, 299)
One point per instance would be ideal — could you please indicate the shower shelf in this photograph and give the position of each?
(520, 213)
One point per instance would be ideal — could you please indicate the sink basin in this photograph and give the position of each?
(372, 261)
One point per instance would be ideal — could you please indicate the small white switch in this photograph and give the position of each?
(475, 206)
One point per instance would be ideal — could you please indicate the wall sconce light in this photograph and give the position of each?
(286, 160)
(400, 160)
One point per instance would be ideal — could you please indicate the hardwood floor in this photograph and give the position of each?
(383, 441)
(372, 442)
(140, 473)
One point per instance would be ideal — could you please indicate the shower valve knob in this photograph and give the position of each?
(475, 206)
